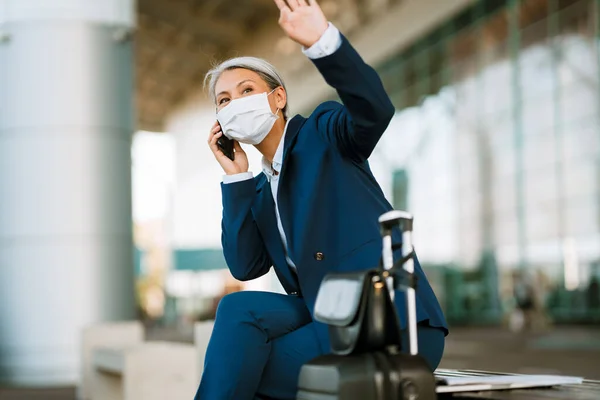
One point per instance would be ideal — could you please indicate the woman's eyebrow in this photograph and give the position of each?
(244, 81)
(238, 85)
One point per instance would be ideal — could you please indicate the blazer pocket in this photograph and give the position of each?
(364, 256)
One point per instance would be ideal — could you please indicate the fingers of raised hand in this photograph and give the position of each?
(285, 16)
(294, 4)
(281, 4)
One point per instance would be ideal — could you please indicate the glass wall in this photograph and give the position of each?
(498, 137)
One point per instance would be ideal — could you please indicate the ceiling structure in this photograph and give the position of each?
(177, 41)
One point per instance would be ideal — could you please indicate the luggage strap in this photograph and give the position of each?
(402, 278)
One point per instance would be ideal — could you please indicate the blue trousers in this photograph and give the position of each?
(261, 340)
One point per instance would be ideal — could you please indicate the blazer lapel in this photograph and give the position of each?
(290, 139)
(264, 215)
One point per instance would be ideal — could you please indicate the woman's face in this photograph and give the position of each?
(236, 83)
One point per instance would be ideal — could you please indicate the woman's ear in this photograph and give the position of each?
(280, 97)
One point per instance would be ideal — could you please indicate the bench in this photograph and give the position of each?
(117, 364)
(148, 371)
(202, 332)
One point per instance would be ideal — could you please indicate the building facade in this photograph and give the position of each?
(498, 128)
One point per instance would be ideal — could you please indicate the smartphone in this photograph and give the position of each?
(226, 146)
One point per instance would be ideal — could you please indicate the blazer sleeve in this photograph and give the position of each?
(243, 246)
(356, 127)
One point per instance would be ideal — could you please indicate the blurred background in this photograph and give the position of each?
(110, 203)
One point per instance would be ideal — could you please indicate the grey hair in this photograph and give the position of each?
(262, 67)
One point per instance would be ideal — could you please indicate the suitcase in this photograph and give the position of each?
(366, 360)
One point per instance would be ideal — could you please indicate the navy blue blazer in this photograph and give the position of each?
(329, 201)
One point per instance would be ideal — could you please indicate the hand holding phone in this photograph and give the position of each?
(228, 152)
(226, 146)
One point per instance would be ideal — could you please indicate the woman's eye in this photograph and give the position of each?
(223, 100)
(247, 90)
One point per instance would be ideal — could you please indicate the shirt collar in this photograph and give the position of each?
(270, 169)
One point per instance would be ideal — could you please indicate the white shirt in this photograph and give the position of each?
(329, 42)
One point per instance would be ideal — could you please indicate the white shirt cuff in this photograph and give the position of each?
(242, 176)
(330, 41)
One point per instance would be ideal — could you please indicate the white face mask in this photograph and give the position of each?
(248, 119)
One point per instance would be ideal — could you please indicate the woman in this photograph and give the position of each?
(313, 210)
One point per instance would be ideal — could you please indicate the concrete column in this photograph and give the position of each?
(66, 120)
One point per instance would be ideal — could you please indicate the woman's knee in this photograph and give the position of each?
(431, 345)
(234, 303)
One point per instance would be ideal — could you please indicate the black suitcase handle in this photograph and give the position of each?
(388, 222)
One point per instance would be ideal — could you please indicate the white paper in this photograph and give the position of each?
(451, 384)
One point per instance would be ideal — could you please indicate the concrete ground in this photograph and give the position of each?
(562, 350)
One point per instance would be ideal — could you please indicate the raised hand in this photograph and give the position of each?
(302, 20)
(240, 162)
